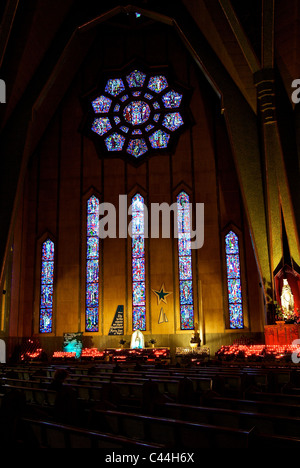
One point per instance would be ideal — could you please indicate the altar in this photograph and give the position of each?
(281, 333)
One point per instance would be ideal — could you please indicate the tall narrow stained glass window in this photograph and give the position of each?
(234, 287)
(47, 283)
(185, 263)
(138, 264)
(92, 266)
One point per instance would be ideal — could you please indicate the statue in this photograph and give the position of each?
(137, 340)
(287, 298)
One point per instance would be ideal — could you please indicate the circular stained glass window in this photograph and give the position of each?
(137, 113)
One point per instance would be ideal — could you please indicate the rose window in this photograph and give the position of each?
(137, 114)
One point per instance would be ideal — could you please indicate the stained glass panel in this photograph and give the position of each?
(114, 86)
(236, 316)
(158, 83)
(138, 264)
(92, 265)
(136, 79)
(138, 246)
(138, 100)
(232, 243)
(101, 104)
(159, 139)
(115, 142)
(137, 147)
(234, 287)
(139, 318)
(138, 269)
(101, 126)
(185, 268)
(172, 99)
(47, 285)
(172, 121)
(185, 263)
(187, 317)
(136, 112)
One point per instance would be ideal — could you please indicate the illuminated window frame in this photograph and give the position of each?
(92, 258)
(137, 112)
(234, 286)
(138, 263)
(185, 266)
(46, 286)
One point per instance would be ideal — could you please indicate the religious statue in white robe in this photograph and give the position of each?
(287, 298)
(137, 340)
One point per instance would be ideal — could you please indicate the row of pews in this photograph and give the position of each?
(148, 407)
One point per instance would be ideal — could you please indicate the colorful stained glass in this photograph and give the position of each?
(101, 105)
(232, 243)
(236, 316)
(141, 101)
(124, 98)
(159, 139)
(158, 83)
(101, 126)
(92, 265)
(172, 121)
(92, 271)
(138, 269)
(136, 79)
(184, 244)
(185, 263)
(115, 142)
(124, 129)
(187, 317)
(234, 286)
(185, 268)
(186, 292)
(138, 293)
(138, 246)
(233, 266)
(138, 264)
(136, 112)
(114, 86)
(172, 99)
(47, 287)
(139, 318)
(149, 127)
(137, 147)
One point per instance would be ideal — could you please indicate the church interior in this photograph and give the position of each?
(150, 221)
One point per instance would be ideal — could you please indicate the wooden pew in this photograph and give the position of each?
(258, 406)
(272, 424)
(39, 396)
(172, 433)
(53, 435)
